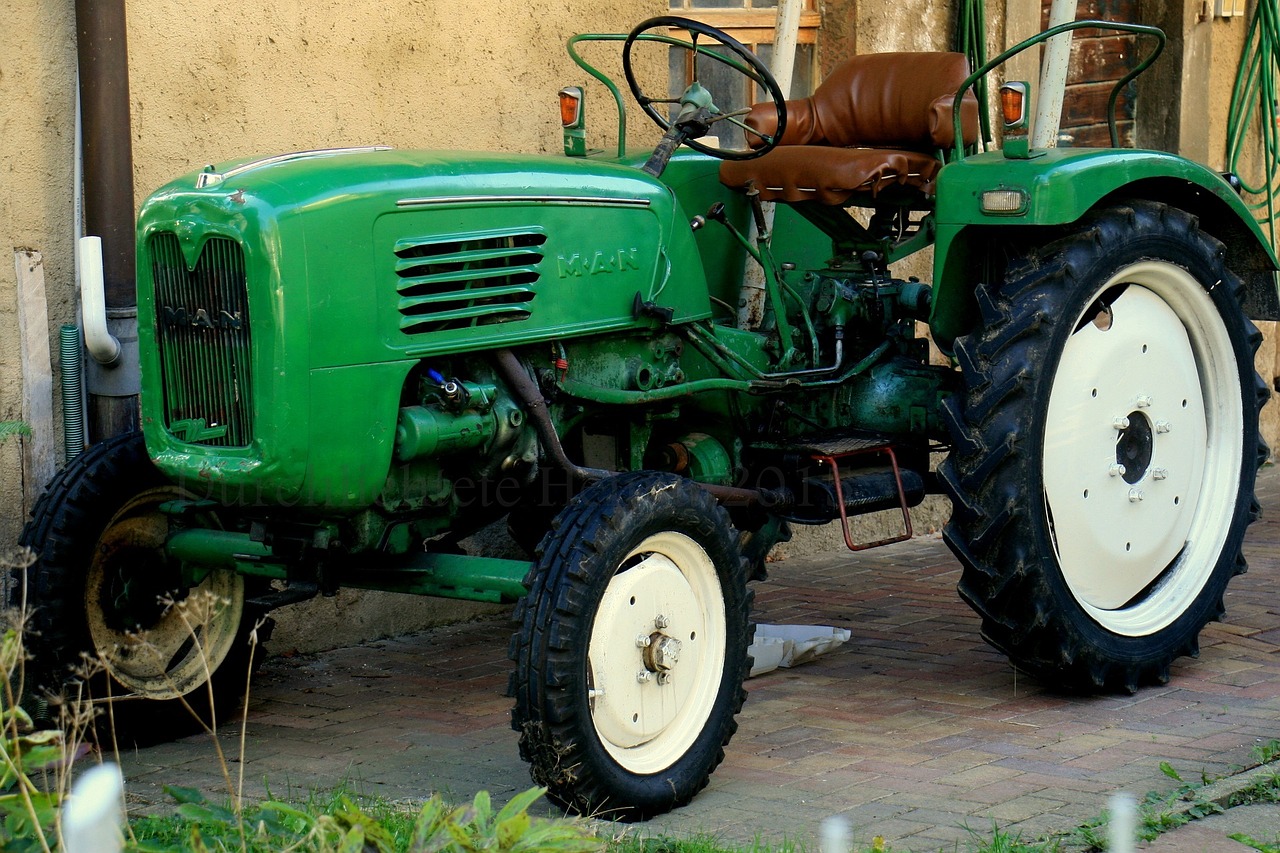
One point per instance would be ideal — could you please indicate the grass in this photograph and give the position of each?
(213, 827)
(339, 823)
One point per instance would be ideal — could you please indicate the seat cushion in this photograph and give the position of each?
(795, 173)
(889, 100)
(876, 121)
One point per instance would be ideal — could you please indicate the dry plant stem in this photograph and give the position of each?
(212, 727)
(27, 560)
(115, 748)
(25, 786)
(73, 724)
(244, 714)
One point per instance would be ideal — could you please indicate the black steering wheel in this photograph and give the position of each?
(696, 110)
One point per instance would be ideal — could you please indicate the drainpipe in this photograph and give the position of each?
(1053, 78)
(102, 51)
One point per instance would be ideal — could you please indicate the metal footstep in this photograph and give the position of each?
(832, 451)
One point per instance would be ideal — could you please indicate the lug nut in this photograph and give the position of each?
(643, 676)
(642, 641)
(1144, 400)
(1120, 423)
(660, 622)
(1163, 426)
(1135, 495)
(1116, 470)
(664, 678)
(1159, 473)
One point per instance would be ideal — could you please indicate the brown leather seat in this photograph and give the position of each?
(877, 121)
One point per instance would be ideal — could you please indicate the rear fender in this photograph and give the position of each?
(1059, 187)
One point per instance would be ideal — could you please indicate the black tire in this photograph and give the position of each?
(1095, 569)
(660, 544)
(95, 526)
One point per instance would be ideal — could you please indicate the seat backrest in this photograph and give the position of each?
(879, 100)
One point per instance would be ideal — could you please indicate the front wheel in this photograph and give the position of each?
(110, 612)
(1106, 446)
(632, 647)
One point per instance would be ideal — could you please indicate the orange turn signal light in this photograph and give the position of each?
(1013, 105)
(571, 107)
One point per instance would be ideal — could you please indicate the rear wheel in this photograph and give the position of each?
(162, 652)
(1106, 448)
(632, 647)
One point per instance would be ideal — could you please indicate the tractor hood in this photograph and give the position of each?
(378, 240)
(307, 177)
(269, 288)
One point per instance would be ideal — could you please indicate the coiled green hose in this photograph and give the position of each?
(1254, 98)
(971, 40)
(72, 391)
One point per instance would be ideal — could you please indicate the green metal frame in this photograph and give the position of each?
(571, 48)
(199, 551)
(991, 65)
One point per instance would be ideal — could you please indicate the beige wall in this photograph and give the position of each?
(279, 76)
(36, 77)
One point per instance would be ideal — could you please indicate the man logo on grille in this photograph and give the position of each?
(201, 318)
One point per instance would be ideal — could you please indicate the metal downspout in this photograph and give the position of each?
(102, 52)
(1053, 78)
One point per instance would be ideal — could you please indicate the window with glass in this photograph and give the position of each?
(751, 22)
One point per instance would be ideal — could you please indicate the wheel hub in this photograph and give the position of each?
(662, 653)
(1134, 447)
(136, 594)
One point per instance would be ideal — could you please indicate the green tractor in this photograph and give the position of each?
(354, 358)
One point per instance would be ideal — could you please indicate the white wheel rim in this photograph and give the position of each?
(188, 640)
(648, 718)
(1135, 555)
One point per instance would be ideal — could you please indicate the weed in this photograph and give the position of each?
(1262, 846)
(8, 429)
(1265, 788)
(1002, 841)
(1267, 752)
(1092, 834)
(627, 843)
(341, 823)
(35, 764)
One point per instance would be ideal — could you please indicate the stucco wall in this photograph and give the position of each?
(291, 75)
(36, 125)
(1227, 41)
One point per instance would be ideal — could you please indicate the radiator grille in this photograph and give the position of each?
(202, 318)
(459, 281)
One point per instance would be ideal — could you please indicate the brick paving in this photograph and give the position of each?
(914, 730)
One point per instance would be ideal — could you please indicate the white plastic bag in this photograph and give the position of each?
(792, 645)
